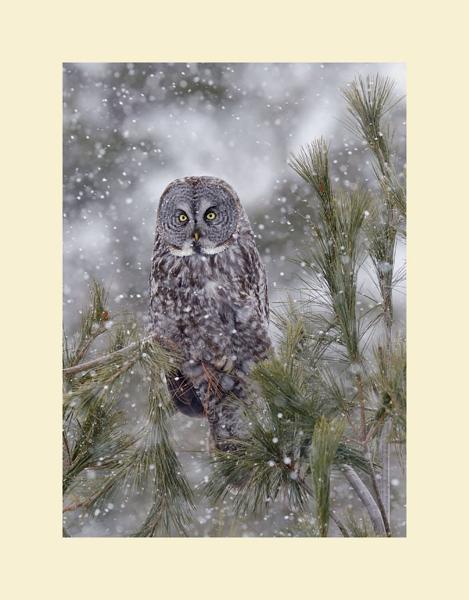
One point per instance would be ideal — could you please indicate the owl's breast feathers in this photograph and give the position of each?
(211, 307)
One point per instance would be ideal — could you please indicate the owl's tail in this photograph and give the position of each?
(225, 422)
(224, 400)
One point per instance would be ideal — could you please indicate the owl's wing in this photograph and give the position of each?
(263, 292)
(184, 395)
(254, 284)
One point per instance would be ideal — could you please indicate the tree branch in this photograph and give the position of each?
(102, 360)
(365, 496)
(377, 492)
(385, 475)
(343, 530)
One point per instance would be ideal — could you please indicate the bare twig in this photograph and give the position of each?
(361, 399)
(385, 474)
(377, 492)
(367, 499)
(343, 530)
(77, 505)
(81, 353)
(102, 360)
(67, 448)
(364, 441)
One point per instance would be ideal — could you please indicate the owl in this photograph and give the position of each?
(208, 301)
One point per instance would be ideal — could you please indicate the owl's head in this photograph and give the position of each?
(198, 215)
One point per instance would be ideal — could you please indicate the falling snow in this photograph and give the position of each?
(130, 129)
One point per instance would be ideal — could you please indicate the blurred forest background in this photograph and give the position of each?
(130, 129)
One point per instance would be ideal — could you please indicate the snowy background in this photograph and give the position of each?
(130, 129)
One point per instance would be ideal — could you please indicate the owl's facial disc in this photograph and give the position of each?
(198, 216)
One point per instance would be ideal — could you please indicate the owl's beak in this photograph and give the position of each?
(196, 235)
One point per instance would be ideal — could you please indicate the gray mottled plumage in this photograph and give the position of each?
(208, 299)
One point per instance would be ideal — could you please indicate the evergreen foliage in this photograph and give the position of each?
(95, 437)
(328, 405)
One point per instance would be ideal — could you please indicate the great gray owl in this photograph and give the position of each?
(208, 300)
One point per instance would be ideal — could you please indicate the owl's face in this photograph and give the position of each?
(198, 215)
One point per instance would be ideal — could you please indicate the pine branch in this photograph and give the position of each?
(94, 433)
(172, 498)
(338, 252)
(357, 528)
(337, 255)
(326, 438)
(257, 471)
(92, 325)
(108, 358)
(369, 100)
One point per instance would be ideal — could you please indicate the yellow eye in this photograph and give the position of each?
(183, 217)
(210, 216)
